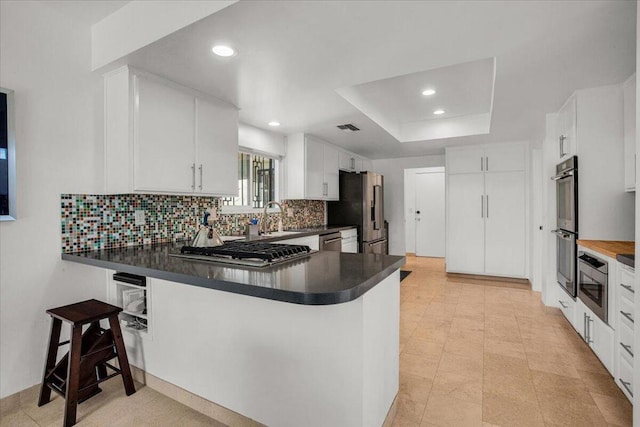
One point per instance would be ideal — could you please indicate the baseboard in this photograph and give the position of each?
(410, 254)
(391, 415)
(503, 280)
(193, 401)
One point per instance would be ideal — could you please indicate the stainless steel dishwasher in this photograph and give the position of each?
(331, 242)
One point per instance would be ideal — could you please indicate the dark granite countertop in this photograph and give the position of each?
(627, 259)
(323, 278)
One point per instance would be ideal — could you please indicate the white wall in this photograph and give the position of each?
(261, 140)
(46, 59)
(393, 171)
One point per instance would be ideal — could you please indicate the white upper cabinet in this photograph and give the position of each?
(486, 158)
(331, 173)
(504, 158)
(312, 168)
(629, 92)
(165, 138)
(164, 146)
(217, 148)
(467, 160)
(353, 163)
(567, 129)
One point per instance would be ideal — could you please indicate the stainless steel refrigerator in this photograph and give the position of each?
(361, 204)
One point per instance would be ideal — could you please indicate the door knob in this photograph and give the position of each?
(418, 212)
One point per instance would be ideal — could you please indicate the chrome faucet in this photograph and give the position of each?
(263, 223)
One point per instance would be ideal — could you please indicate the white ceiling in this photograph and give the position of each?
(293, 55)
(86, 11)
(464, 93)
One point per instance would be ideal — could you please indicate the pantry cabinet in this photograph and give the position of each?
(161, 137)
(629, 94)
(486, 210)
(312, 168)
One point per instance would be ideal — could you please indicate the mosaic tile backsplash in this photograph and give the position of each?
(92, 222)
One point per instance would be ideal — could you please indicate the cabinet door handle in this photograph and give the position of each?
(584, 327)
(627, 386)
(627, 315)
(562, 304)
(200, 186)
(481, 206)
(481, 164)
(325, 189)
(627, 287)
(486, 163)
(193, 176)
(562, 138)
(589, 320)
(487, 206)
(627, 348)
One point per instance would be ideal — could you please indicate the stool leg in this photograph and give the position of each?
(73, 376)
(101, 369)
(127, 379)
(52, 352)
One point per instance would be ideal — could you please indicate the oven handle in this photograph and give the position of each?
(566, 236)
(562, 176)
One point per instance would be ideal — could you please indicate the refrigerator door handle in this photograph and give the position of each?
(376, 207)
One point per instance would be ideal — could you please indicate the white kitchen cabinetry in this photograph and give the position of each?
(486, 210)
(505, 228)
(131, 293)
(567, 129)
(624, 347)
(165, 138)
(597, 334)
(312, 241)
(349, 240)
(351, 162)
(312, 168)
(629, 93)
(567, 306)
(465, 223)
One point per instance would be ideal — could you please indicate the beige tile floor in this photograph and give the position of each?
(480, 353)
(472, 354)
(110, 408)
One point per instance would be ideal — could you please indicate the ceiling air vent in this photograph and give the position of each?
(348, 128)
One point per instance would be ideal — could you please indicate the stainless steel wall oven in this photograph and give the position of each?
(567, 223)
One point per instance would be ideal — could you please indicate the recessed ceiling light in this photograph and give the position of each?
(274, 124)
(438, 112)
(222, 50)
(428, 92)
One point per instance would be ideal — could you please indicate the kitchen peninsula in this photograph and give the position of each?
(313, 342)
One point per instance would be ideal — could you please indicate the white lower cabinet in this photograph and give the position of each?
(597, 334)
(625, 349)
(567, 306)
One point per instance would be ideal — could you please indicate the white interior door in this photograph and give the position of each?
(430, 214)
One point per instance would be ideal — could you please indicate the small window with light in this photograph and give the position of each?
(258, 178)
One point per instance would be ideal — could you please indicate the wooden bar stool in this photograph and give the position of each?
(77, 375)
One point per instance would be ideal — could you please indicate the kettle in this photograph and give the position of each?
(206, 235)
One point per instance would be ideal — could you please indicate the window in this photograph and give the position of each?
(7, 157)
(257, 181)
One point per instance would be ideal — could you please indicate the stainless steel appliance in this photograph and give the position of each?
(331, 242)
(593, 284)
(250, 254)
(567, 223)
(361, 204)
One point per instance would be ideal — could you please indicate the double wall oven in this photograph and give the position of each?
(567, 223)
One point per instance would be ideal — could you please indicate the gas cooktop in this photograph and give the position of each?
(251, 254)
